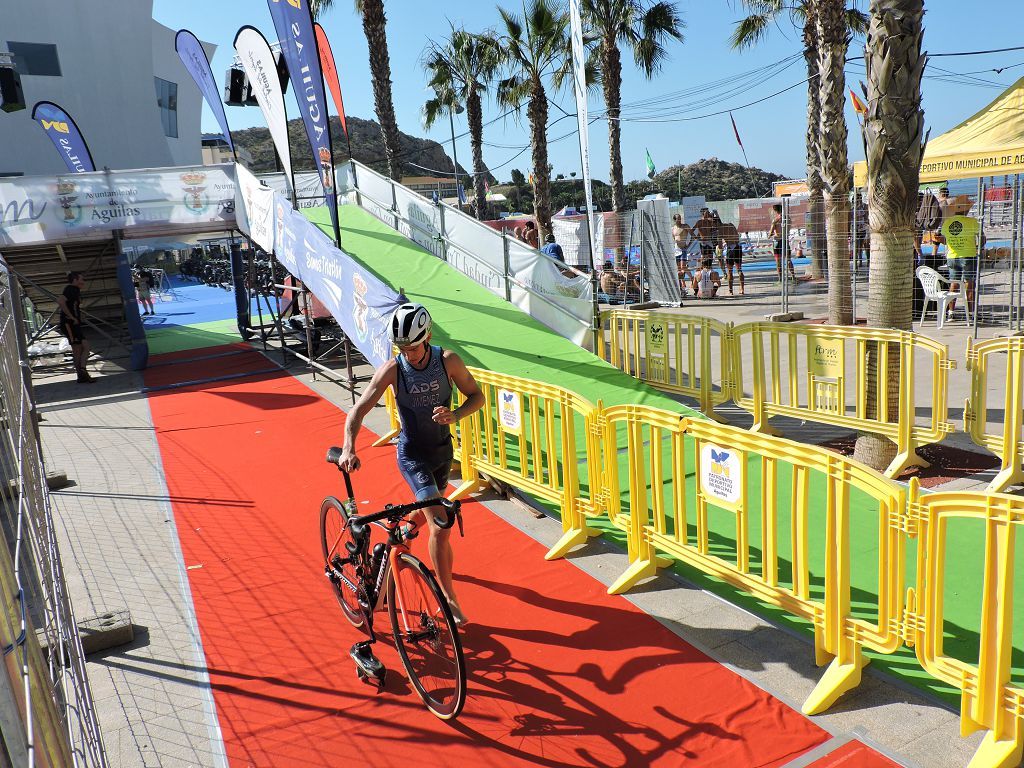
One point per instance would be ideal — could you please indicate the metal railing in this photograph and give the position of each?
(46, 706)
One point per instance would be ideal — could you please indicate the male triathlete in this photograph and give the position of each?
(422, 376)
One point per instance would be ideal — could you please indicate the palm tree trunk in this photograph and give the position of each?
(375, 29)
(832, 43)
(815, 204)
(475, 117)
(894, 142)
(611, 83)
(538, 115)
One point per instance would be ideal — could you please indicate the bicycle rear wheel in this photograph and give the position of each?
(334, 533)
(426, 637)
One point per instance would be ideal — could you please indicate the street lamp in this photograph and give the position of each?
(572, 175)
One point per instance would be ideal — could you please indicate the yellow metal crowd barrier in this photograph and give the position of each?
(538, 438)
(672, 352)
(803, 371)
(989, 700)
(665, 450)
(1009, 444)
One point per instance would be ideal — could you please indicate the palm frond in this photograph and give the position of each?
(751, 30)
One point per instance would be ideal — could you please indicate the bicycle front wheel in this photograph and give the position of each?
(426, 637)
(334, 533)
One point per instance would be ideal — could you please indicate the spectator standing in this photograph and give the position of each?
(530, 234)
(927, 220)
(778, 232)
(70, 303)
(960, 234)
(144, 288)
(733, 254)
(707, 233)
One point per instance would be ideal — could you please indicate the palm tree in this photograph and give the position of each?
(645, 30)
(375, 29)
(833, 40)
(894, 144)
(533, 48)
(460, 69)
(753, 29)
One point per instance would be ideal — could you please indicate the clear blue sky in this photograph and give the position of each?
(772, 131)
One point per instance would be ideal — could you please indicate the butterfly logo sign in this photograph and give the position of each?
(721, 475)
(510, 411)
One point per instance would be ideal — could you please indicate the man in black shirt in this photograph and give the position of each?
(70, 302)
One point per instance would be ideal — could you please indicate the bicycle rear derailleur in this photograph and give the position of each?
(368, 667)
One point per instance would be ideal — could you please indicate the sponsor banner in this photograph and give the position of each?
(659, 251)
(308, 189)
(375, 186)
(419, 220)
(510, 411)
(192, 55)
(294, 26)
(722, 475)
(330, 73)
(261, 68)
(825, 357)
(571, 233)
(358, 300)
(254, 209)
(35, 209)
(64, 133)
(579, 58)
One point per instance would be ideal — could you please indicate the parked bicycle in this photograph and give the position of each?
(366, 578)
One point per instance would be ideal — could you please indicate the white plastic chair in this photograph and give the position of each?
(931, 282)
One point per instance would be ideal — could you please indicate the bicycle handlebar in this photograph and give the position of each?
(451, 508)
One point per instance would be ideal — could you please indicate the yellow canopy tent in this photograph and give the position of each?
(989, 143)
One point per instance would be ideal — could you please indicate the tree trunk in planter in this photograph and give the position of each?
(815, 204)
(538, 114)
(474, 115)
(832, 43)
(894, 141)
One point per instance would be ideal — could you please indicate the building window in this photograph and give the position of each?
(35, 58)
(167, 100)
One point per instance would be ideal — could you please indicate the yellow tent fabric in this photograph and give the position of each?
(989, 143)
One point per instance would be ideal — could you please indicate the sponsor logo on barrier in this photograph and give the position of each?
(359, 306)
(825, 357)
(510, 411)
(721, 475)
(70, 213)
(657, 343)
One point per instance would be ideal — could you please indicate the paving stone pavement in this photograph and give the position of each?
(120, 550)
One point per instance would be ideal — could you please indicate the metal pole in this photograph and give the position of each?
(1020, 261)
(277, 315)
(856, 253)
(307, 311)
(17, 317)
(981, 235)
(508, 266)
(455, 156)
(784, 261)
(1012, 314)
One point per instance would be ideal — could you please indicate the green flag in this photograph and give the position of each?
(650, 165)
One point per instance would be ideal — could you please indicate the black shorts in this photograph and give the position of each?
(73, 331)
(734, 254)
(777, 248)
(427, 475)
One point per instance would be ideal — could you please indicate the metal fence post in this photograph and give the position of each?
(508, 265)
(443, 233)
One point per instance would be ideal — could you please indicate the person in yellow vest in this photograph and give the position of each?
(961, 235)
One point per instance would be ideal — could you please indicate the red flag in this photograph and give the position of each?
(736, 131)
(858, 105)
(330, 73)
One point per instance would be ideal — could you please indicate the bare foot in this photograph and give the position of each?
(457, 614)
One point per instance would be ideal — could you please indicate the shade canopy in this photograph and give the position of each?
(989, 143)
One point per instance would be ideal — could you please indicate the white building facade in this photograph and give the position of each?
(116, 73)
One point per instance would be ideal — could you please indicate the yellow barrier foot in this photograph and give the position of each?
(903, 462)
(837, 680)
(1005, 479)
(385, 439)
(569, 540)
(464, 490)
(637, 572)
(663, 562)
(993, 753)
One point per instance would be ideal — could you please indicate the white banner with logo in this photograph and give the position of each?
(419, 220)
(255, 209)
(308, 188)
(36, 209)
(261, 68)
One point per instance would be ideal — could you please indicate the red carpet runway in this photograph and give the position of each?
(560, 673)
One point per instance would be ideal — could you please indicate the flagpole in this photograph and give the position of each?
(743, 149)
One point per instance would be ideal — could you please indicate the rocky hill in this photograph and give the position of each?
(715, 179)
(367, 148)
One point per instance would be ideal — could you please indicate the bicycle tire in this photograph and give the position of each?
(434, 646)
(334, 532)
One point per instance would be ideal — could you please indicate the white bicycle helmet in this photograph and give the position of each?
(409, 326)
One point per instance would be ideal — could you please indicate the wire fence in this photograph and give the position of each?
(47, 716)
